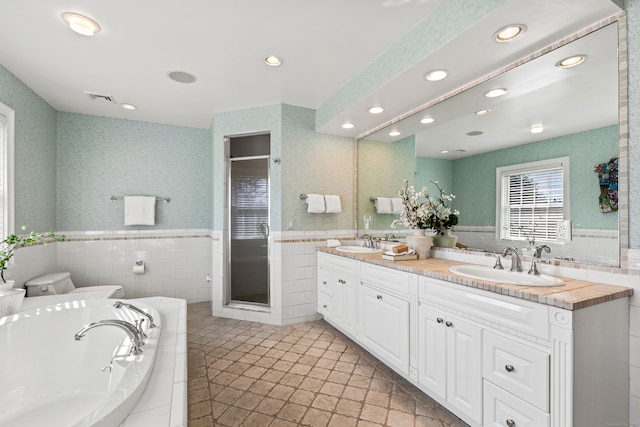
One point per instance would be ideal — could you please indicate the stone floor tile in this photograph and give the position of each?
(251, 374)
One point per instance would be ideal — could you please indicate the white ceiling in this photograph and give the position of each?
(324, 44)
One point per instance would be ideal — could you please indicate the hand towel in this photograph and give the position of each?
(139, 210)
(396, 205)
(383, 205)
(315, 203)
(332, 203)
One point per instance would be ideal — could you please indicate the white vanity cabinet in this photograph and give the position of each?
(492, 359)
(337, 287)
(450, 360)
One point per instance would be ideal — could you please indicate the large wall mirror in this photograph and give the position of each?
(461, 149)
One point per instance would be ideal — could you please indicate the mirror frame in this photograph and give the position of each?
(623, 137)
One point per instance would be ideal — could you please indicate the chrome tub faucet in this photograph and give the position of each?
(131, 330)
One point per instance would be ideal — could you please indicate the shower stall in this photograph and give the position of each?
(248, 218)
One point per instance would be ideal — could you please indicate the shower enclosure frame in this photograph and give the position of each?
(227, 295)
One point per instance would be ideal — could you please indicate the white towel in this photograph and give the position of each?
(396, 205)
(383, 205)
(315, 203)
(332, 203)
(139, 210)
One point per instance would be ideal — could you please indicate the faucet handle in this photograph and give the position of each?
(498, 264)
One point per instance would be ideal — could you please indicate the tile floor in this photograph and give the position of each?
(250, 374)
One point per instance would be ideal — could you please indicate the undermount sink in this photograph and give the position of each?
(489, 274)
(358, 250)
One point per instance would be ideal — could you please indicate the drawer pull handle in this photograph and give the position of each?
(440, 320)
(511, 423)
(509, 368)
(449, 324)
(379, 296)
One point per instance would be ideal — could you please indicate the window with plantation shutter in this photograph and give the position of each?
(249, 207)
(532, 200)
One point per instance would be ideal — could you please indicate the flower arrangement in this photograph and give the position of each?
(431, 213)
(15, 241)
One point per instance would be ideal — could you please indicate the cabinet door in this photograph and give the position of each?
(385, 327)
(344, 301)
(464, 367)
(432, 352)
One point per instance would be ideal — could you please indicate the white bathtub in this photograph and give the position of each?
(47, 378)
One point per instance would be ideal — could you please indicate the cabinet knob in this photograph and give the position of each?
(509, 368)
(324, 305)
(324, 282)
(379, 296)
(440, 320)
(449, 324)
(511, 423)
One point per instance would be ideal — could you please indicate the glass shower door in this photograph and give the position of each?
(249, 218)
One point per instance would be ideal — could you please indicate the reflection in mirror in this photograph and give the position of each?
(579, 110)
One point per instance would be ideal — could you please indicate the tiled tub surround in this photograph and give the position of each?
(164, 400)
(570, 347)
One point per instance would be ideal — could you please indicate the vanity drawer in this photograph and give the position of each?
(517, 368)
(514, 313)
(338, 263)
(324, 304)
(502, 409)
(385, 278)
(324, 281)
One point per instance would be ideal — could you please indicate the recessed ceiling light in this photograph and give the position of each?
(348, 125)
(81, 24)
(435, 75)
(483, 112)
(509, 33)
(273, 61)
(128, 106)
(537, 128)
(182, 77)
(475, 133)
(494, 93)
(376, 109)
(427, 120)
(444, 151)
(572, 61)
(394, 133)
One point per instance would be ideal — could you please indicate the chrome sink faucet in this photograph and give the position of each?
(516, 262)
(539, 249)
(132, 332)
(368, 241)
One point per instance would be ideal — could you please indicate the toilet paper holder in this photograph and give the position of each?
(139, 262)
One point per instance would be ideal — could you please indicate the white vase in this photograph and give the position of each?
(444, 239)
(420, 243)
(7, 286)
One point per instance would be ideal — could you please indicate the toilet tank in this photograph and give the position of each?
(50, 284)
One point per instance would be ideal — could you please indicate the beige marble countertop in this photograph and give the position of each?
(573, 295)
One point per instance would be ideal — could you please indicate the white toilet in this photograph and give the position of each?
(60, 283)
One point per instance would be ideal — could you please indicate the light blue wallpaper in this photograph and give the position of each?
(35, 154)
(310, 162)
(474, 177)
(243, 122)
(314, 163)
(450, 19)
(382, 168)
(99, 157)
(430, 170)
